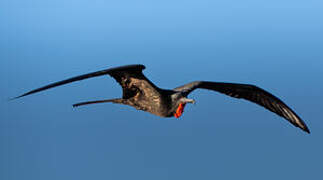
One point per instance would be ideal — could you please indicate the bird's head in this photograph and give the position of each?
(180, 105)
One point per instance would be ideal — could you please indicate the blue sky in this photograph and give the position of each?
(276, 45)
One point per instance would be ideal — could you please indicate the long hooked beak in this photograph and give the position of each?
(186, 100)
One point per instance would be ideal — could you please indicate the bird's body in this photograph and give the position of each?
(142, 94)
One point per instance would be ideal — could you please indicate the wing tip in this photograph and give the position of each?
(301, 124)
(305, 128)
(308, 131)
(11, 99)
(17, 97)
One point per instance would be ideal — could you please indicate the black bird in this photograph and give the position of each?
(142, 94)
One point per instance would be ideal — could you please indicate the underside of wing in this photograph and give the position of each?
(133, 81)
(251, 93)
(115, 72)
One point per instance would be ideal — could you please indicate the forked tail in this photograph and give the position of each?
(98, 101)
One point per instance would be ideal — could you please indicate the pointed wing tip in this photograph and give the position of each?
(301, 124)
(303, 127)
(23, 95)
(75, 105)
(11, 99)
(306, 130)
(17, 97)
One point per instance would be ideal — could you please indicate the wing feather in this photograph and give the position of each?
(114, 71)
(251, 93)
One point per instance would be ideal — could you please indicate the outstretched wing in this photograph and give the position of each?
(121, 74)
(251, 93)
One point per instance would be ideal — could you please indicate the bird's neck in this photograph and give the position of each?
(179, 110)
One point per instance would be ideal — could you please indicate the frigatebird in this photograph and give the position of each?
(141, 93)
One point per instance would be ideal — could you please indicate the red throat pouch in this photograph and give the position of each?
(179, 110)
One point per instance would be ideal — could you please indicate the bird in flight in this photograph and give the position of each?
(140, 93)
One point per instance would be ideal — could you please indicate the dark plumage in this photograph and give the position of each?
(142, 94)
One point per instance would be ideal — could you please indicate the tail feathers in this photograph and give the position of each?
(98, 101)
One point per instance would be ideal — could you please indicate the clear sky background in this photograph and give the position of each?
(276, 44)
